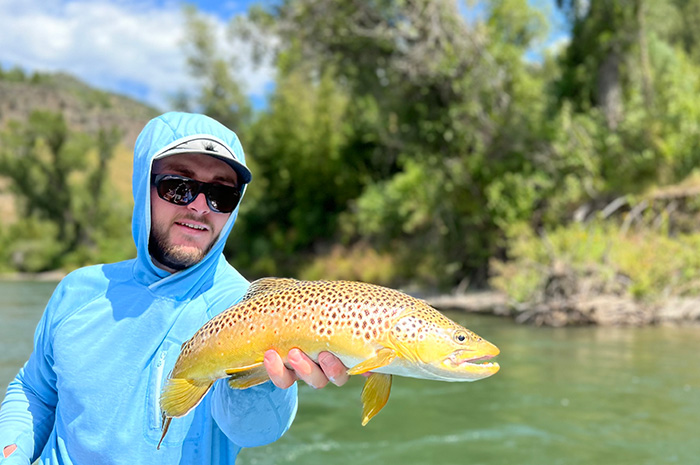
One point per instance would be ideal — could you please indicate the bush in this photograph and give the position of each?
(650, 263)
(357, 263)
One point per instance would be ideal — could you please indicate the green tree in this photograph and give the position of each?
(220, 95)
(59, 182)
(437, 110)
(303, 179)
(627, 73)
(425, 132)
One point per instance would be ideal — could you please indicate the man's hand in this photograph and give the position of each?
(329, 368)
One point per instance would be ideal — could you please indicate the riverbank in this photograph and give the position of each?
(600, 310)
(581, 310)
(45, 276)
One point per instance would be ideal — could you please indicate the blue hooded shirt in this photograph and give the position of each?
(110, 335)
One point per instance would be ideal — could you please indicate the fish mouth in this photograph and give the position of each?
(466, 360)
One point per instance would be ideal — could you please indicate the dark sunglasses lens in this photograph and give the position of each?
(223, 198)
(177, 191)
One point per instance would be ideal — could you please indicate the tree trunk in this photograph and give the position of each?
(609, 89)
(647, 81)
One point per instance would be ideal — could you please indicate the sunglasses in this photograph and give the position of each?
(180, 190)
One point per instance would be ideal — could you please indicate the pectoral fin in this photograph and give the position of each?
(375, 394)
(249, 378)
(231, 371)
(383, 358)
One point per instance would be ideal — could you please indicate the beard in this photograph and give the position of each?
(175, 257)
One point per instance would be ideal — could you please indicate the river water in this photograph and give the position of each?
(563, 396)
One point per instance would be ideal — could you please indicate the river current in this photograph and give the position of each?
(627, 396)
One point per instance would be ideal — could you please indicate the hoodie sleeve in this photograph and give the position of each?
(255, 416)
(28, 410)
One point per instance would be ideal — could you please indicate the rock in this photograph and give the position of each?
(679, 310)
(474, 302)
(607, 310)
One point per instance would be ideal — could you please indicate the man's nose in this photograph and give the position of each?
(199, 204)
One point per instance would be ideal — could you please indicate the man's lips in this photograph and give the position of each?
(192, 225)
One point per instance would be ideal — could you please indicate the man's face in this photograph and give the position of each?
(181, 235)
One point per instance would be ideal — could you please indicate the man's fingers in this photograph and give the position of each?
(329, 368)
(333, 368)
(8, 450)
(306, 369)
(278, 373)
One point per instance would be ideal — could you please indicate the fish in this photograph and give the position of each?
(374, 330)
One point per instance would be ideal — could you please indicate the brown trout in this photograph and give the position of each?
(368, 327)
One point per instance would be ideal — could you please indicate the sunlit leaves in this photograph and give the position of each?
(59, 179)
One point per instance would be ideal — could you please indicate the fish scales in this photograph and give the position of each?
(369, 327)
(311, 313)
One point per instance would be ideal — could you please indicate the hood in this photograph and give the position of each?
(168, 130)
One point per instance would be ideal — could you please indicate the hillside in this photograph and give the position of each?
(84, 108)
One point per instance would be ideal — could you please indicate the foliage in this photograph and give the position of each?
(357, 263)
(652, 264)
(30, 245)
(302, 177)
(427, 136)
(418, 136)
(220, 96)
(409, 140)
(13, 75)
(59, 180)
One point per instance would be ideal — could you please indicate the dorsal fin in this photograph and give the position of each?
(265, 285)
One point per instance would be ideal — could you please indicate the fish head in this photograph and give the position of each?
(443, 349)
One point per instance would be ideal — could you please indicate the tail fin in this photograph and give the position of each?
(165, 425)
(179, 397)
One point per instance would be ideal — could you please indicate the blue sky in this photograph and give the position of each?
(133, 47)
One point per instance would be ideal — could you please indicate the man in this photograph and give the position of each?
(110, 334)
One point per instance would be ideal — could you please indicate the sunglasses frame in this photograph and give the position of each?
(202, 188)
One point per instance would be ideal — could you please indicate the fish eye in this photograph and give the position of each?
(460, 337)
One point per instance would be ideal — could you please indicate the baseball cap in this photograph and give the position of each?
(208, 145)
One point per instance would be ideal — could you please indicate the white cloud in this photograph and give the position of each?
(124, 46)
